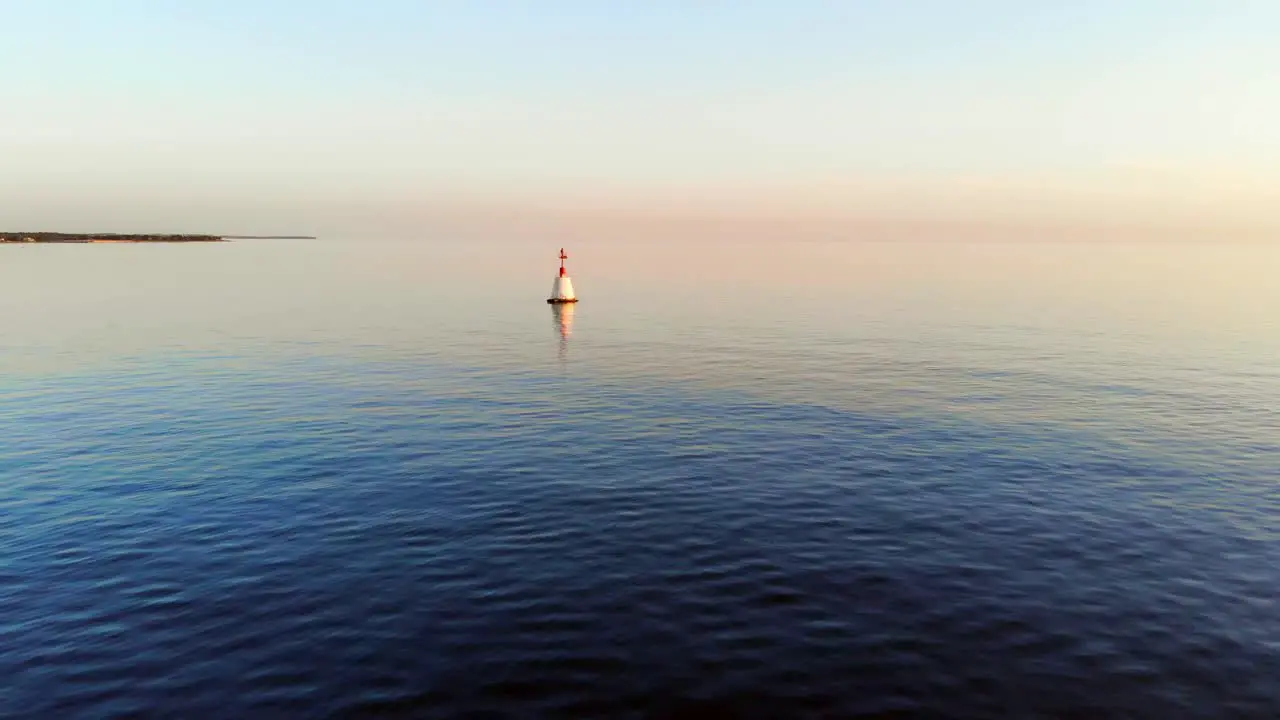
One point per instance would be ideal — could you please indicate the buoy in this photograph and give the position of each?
(562, 288)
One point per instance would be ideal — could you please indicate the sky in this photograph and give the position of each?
(327, 116)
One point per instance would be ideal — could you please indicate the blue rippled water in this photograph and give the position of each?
(349, 479)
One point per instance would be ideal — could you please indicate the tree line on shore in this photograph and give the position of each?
(55, 237)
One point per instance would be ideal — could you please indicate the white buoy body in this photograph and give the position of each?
(562, 290)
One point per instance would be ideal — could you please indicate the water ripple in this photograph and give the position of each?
(447, 548)
(873, 497)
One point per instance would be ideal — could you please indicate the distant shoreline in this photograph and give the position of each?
(57, 237)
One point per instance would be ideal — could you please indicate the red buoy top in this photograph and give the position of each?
(563, 257)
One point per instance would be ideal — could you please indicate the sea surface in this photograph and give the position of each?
(383, 478)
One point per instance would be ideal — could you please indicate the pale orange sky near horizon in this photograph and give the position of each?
(1136, 202)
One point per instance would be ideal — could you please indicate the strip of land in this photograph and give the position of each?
(57, 237)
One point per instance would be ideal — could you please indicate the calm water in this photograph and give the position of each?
(345, 479)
